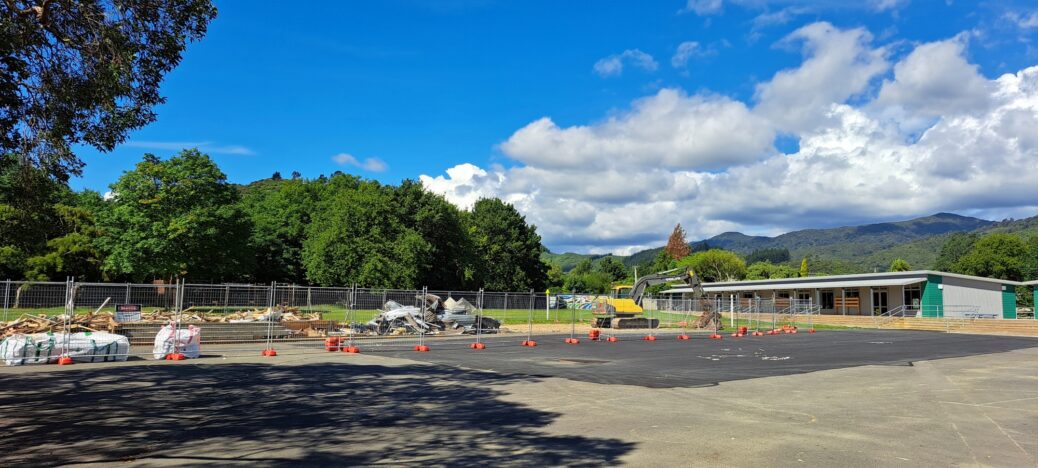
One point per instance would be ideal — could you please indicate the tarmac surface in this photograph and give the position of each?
(700, 361)
(846, 398)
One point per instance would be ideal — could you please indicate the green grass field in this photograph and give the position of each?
(506, 316)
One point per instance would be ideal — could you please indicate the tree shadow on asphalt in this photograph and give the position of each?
(304, 415)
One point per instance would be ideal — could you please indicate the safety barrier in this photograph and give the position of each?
(179, 320)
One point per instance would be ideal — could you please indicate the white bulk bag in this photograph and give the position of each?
(187, 341)
(44, 348)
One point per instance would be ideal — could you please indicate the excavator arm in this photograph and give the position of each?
(683, 274)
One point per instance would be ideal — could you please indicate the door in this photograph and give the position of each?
(879, 301)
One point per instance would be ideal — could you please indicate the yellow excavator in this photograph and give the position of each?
(623, 309)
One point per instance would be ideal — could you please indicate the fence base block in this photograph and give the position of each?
(478, 346)
(683, 337)
(269, 352)
(612, 339)
(529, 343)
(65, 360)
(572, 341)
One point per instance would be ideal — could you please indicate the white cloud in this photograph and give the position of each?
(838, 64)
(685, 51)
(707, 161)
(368, 164)
(935, 80)
(670, 129)
(702, 7)
(203, 146)
(613, 65)
(1024, 20)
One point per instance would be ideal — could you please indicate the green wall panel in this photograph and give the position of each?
(933, 297)
(1009, 302)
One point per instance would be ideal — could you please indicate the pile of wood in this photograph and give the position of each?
(105, 321)
(28, 324)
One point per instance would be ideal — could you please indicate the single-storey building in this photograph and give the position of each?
(923, 293)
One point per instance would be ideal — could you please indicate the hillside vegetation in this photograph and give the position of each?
(849, 249)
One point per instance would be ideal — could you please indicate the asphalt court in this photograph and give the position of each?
(700, 361)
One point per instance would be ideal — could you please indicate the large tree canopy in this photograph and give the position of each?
(86, 71)
(357, 236)
(177, 217)
(507, 250)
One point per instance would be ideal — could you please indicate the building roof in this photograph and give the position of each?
(862, 280)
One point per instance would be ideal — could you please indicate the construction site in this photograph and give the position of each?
(504, 378)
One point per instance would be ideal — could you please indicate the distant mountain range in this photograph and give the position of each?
(850, 249)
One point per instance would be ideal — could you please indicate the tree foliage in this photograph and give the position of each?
(86, 72)
(613, 268)
(774, 255)
(357, 236)
(955, 247)
(804, 271)
(279, 211)
(767, 270)
(506, 249)
(716, 265)
(677, 245)
(1002, 256)
(177, 217)
(899, 264)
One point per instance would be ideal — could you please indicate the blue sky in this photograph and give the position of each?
(409, 88)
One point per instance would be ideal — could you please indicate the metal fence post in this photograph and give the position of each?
(7, 293)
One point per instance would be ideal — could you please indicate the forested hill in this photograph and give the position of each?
(844, 249)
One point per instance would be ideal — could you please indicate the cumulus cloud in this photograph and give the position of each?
(707, 161)
(935, 80)
(838, 64)
(613, 65)
(670, 129)
(368, 164)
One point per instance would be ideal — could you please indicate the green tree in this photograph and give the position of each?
(716, 265)
(177, 217)
(279, 211)
(73, 253)
(86, 72)
(899, 264)
(556, 278)
(613, 268)
(507, 250)
(957, 245)
(774, 255)
(1002, 256)
(767, 270)
(804, 272)
(448, 264)
(357, 236)
(30, 202)
(594, 282)
(584, 267)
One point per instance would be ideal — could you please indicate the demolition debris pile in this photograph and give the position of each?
(436, 316)
(105, 321)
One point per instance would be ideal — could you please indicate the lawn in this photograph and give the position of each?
(506, 316)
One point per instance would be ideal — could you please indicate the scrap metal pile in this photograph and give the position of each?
(105, 321)
(436, 316)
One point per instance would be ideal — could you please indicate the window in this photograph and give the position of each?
(913, 297)
(828, 300)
